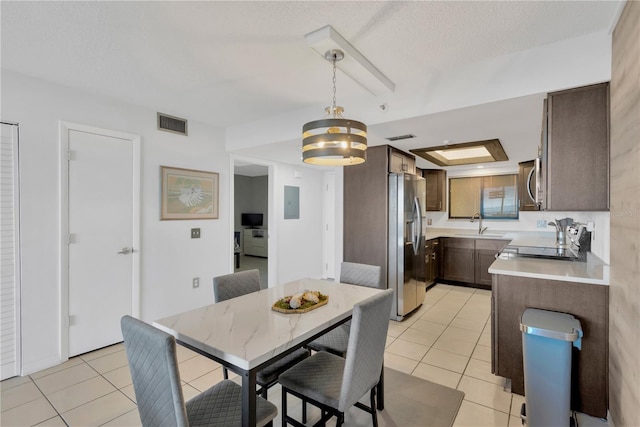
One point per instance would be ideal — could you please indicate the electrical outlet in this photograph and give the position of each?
(196, 282)
(541, 223)
(195, 233)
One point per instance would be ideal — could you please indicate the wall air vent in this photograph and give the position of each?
(172, 124)
(400, 137)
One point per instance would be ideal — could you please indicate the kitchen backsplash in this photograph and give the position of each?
(528, 221)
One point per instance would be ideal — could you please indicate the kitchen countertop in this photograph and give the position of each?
(593, 271)
(434, 233)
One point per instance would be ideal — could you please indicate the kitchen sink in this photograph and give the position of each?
(488, 235)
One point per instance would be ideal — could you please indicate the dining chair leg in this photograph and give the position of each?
(374, 412)
(284, 408)
(340, 420)
(304, 411)
(263, 392)
(225, 373)
(380, 388)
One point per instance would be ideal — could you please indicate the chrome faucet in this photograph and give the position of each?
(480, 228)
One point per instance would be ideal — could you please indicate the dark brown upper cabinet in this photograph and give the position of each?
(400, 162)
(575, 150)
(436, 181)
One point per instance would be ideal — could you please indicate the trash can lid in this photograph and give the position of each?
(550, 324)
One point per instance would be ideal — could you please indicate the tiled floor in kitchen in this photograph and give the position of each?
(446, 341)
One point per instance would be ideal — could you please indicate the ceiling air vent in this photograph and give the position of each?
(400, 137)
(172, 124)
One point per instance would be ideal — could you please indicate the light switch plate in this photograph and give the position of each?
(196, 282)
(195, 233)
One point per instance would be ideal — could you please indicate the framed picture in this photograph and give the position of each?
(188, 194)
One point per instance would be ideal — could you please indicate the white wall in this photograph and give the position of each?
(169, 258)
(299, 244)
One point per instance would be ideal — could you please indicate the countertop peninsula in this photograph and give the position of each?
(593, 271)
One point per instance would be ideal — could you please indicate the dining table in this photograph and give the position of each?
(245, 334)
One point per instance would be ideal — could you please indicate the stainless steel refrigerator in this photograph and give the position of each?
(406, 251)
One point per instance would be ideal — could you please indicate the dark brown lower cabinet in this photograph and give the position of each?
(431, 261)
(486, 251)
(511, 295)
(458, 260)
(468, 260)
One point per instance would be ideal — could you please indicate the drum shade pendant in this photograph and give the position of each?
(334, 140)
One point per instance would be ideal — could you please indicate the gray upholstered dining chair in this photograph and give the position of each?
(336, 340)
(333, 383)
(156, 382)
(241, 283)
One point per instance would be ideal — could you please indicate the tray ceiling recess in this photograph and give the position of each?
(466, 153)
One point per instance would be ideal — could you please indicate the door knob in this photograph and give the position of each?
(125, 251)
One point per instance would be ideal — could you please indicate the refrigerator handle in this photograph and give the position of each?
(538, 175)
(417, 234)
(531, 172)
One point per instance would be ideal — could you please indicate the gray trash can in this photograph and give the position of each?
(547, 338)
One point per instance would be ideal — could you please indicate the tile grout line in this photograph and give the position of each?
(50, 403)
(469, 358)
(447, 326)
(465, 369)
(92, 400)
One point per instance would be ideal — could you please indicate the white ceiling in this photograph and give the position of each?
(250, 169)
(233, 63)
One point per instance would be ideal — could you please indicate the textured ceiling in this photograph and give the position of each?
(227, 63)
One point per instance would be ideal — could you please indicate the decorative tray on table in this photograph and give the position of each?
(301, 302)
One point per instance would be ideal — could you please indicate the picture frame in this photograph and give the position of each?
(188, 194)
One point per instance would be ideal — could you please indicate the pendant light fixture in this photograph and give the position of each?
(334, 140)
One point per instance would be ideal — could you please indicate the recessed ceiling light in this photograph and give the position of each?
(467, 153)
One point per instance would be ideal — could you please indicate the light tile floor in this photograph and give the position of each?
(446, 341)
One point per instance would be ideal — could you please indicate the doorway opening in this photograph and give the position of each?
(251, 220)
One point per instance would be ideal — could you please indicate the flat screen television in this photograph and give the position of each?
(251, 219)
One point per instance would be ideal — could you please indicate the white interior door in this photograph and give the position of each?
(102, 226)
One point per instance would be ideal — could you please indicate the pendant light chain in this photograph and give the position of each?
(335, 111)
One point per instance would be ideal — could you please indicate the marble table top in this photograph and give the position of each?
(246, 332)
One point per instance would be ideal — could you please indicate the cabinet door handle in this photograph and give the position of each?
(439, 205)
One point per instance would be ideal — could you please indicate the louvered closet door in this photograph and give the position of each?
(9, 226)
